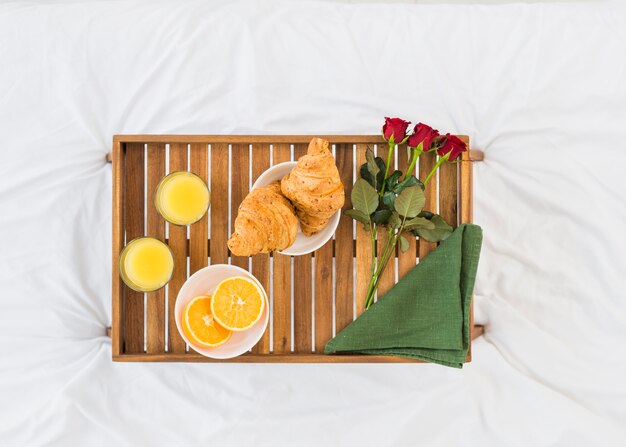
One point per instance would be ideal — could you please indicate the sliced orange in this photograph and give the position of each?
(200, 325)
(238, 303)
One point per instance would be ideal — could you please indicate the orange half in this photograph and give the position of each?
(200, 326)
(238, 303)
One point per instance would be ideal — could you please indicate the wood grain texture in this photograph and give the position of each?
(260, 358)
(282, 279)
(344, 255)
(406, 259)
(466, 214)
(302, 291)
(219, 204)
(240, 178)
(475, 155)
(155, 307)
(117, 285)
(134, 222)
(261, 263)
(323, 295)
(363, 246)
(275, 358)
(178, 243)
(321, 281)
(388, 277)
(198, 232)
(426, 163)
(448, 182)
(246, 139)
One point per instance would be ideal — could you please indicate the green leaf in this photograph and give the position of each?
(441, 231)
(388, 199)
(381, 216)
(410, 201)
(358, 215)
(371, 163)
(419, 222)
(380, 177)
(426, 214)
(392, 179)
(394, 220)
(364, 197)
(411, 180)
(367, 175)
(404, 244)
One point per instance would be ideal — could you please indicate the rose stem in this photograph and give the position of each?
(417, 151)
(389, 154)
(439, 163)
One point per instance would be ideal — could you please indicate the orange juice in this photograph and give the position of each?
(182, 198)
(146, 264)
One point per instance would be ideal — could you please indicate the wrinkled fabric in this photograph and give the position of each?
(540, 88)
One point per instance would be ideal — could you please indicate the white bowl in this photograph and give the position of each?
(203, 282)
(303, 244)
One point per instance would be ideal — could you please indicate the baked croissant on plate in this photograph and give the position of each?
(265, 222)
(314, 187)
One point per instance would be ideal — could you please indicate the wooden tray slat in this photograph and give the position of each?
(178, 244)
(466, 213)
(406, 259)
(261, 263)
(323, 295)
(427, 161)
(219, 203)
(198, 232)
(312, 297)
(194, 357)
(117, 286)
(388, 277)
(448, 182)
(155, 301)
(302, 290)
(240, 166)
(282, 278)
(363, 247)
(344, 255)
(134, 204)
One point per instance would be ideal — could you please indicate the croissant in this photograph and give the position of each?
(265, 222)
(314, 187)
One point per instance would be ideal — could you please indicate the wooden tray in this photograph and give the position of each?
(312, 297)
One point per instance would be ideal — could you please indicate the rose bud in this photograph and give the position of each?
(422, 134)
(394, 129)
(452, 145)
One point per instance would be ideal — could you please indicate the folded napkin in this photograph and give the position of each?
(426, 315)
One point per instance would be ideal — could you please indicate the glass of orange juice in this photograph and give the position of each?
(146, 264)
(182, 198)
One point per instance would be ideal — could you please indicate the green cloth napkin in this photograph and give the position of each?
(426, 315)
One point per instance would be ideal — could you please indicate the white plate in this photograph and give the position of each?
(203, 282)
(303, 244)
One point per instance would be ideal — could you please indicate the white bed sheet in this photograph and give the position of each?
(540, 88)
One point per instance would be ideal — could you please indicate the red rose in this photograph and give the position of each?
(422, 134)
(396, 128)
(452, 145)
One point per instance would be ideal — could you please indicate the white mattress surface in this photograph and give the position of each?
(540, 88)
